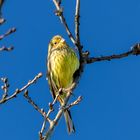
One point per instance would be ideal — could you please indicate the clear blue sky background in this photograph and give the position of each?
(110, 109)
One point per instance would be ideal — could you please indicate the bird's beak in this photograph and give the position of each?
(62, 40)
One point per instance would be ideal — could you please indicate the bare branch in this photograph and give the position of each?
(5, 99)
(76, 102)
(51, 122)
(60, 112)
(82, 56)
(6, 49)
(2, 20)
(5, 87)
(135, 50)
(41, 137)
(57, 118)
(41, 111)
(77, 22)
(108, 58)
(77, 36)
(10, 31)
(59, 12)
(59, 2)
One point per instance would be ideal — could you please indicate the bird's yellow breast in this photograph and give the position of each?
(64, 63)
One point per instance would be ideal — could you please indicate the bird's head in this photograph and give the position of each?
(57, 42)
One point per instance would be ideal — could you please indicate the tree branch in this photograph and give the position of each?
(76, 102)
(6, 98)
(53, 123)
(77, 22)
(135, 50)
(10, 31)
(59, 12)
(41, 111)
(6, 49)
(2, 20)
(5, 87)
(76, 42)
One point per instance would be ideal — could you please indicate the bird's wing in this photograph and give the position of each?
(51, 82)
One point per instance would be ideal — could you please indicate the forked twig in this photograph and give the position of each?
(5, 99)
(76, 102)
(6, 49)
(5, 87)
(41, 111)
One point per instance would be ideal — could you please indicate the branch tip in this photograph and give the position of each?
(2, 20)
(136, 49)
(25, 93)
(40, 75)
(51, 106)
(6, 49)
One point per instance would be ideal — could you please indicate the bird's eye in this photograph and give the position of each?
(55, 43)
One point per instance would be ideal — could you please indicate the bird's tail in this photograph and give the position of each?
(69, 123)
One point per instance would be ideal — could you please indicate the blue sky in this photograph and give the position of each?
(110, 109)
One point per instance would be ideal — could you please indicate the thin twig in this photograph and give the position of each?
(51, 109)
(60, 113)
(10, 31)
(48, 134)
(41, 111)
(77, 22)
(78, 44)
(77, 36)
(59, 2)
(2, 20)
(41, 137)
(135, 50)
(108, 58)
(3, 100)
(5, 87)
(59, 13)
(76, 102)
(6, 49)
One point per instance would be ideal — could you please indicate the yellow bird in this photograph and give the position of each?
(62, 63)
